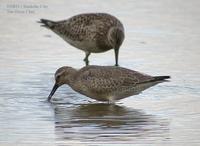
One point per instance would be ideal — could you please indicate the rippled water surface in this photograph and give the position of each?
(162, 38)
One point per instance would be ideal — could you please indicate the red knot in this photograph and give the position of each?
(105, 83)
(90, 32)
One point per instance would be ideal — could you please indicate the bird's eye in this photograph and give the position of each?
(58, 77)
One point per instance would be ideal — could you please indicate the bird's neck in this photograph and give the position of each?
(71, 78)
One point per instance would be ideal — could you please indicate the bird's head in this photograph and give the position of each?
(63, 75)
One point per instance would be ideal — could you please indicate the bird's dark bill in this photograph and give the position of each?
(55, 87)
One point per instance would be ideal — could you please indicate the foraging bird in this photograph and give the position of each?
(90, 32)
(104, 83)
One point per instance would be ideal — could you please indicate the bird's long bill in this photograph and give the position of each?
(55, 87)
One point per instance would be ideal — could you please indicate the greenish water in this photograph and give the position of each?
(162, 38)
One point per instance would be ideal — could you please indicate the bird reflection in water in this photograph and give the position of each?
(106, 123)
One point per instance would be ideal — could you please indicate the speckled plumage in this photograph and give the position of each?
(90, 32)
(105, 83)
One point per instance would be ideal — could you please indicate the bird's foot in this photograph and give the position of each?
(117, 65)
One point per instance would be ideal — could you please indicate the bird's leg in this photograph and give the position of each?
(116, 56)
(87, 54)
(111, 102)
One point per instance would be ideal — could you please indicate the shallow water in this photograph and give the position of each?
(162, 38)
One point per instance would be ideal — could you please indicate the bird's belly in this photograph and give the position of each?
(99, 97)
(117, 94)
(108, 96)
(114, 95)
(103, 95)
(111, 97)
(85, 45)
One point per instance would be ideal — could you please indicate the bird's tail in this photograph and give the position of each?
(47, 23)
(161, 78)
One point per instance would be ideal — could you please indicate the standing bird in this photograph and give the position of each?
(90, 32)
(104, 83)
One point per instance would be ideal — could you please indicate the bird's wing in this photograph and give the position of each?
(101, 79)
(73, 30)
(82, 28)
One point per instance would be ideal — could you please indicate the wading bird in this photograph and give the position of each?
(105, 83)
(90, 32)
